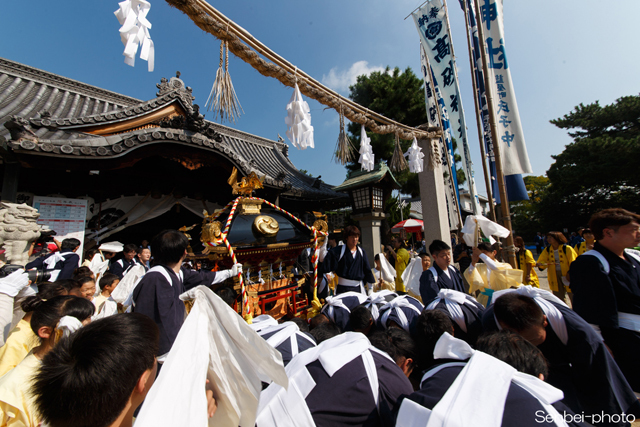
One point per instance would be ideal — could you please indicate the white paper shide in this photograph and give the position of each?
(298, 120)
(134, 32)
(367, 158)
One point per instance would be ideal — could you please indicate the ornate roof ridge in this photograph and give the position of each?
(58, 81)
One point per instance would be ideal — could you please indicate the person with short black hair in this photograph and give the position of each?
(360, 320)
(425, 260)
(108, 283)
(579, 362)
(399, 345)
(48, 321)
(325, 331)
(68, 284)
(88, 256)
(82, 271)
(441, 275)
(588, 242)
(143, 256)
(158, 293)
(124, 264)
(462, 255)
(303, 325)
(430, 326)
(349, 262)
(606, 285)
(84, 287)
(512, 348)
(61, 264)
(112, 357)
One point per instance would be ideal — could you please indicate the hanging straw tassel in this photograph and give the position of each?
(398, 162)
(213, 102)
(231, 103)
(222, 99)
(344, 148)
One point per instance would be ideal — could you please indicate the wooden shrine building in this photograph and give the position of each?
(64, 137)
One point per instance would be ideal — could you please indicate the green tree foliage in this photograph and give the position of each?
(525, 214)
(398, 96)
(600, 168)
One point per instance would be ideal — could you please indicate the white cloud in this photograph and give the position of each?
(341, 80)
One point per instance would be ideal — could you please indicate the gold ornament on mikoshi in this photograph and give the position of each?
(266, 225)
(247, 185)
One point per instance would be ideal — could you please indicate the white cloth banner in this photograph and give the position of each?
(429, 94)
(214, 343)
(515, 159)
(488, 227)
(435, 37)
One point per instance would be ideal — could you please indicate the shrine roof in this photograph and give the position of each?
(49, 115)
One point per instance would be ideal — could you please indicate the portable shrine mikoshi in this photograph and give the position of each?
(267, 241)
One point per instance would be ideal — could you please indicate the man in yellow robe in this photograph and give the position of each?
(490, 275)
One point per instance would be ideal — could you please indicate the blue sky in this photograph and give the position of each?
(560, 54)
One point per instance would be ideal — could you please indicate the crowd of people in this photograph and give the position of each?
(410, 340)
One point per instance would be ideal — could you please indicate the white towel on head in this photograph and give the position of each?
(453, 300)
(394, 306)
(68, 325)
(378, 298)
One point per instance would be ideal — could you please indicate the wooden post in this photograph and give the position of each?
(502, 188)
(476, 97)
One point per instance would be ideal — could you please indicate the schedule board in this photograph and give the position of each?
(66, 216)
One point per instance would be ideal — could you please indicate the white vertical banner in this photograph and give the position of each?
(429, 94)
(513, 150)
(433, 26)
